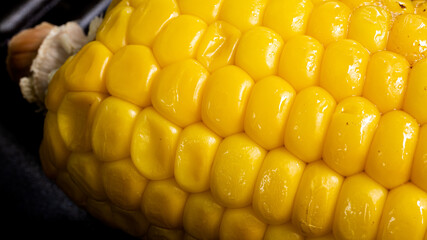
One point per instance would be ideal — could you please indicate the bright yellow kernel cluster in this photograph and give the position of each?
(247, 119)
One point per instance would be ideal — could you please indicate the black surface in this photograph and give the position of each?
(31, 205)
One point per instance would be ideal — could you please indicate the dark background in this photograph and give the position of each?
(30, 204)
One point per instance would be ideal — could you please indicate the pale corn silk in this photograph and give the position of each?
(247, 119)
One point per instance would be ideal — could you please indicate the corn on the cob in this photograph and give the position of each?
(247, 119)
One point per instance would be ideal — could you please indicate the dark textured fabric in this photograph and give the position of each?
(31, 205)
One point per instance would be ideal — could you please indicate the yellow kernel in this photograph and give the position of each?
(315, 201)
(85, 72)
(195, 153)
(285, 231)
(416, 93)
(225, 99)
(267, 111)
(202, 216)
(112, 129)
(359, 208)
(56, 150)
(84, 169)
(132, 222)
(405, 214)
(408, 37)
(308, 122)
(350, 134)
(205, 9)
(218, 45)
(75, 117)
(55, 92)
(179, 39)
(57, 89)
(276, 186)
(300, 62)
(328, 22)
(241, 223)
(235, 169)
(344, 68)
(123, 184)
(113, 29)
(163, 203)
(148, 19)
(419, 167)
(130, 74)
(258, 52)
(177, 92)
(153, 145)
(370, 25)
(250, 13)
(288, 18)
(392, 149)
(386, 80)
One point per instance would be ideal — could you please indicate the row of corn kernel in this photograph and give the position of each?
(327, 21)
(205, 219)
(277, 15)
(359, 203)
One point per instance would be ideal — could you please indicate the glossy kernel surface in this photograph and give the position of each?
(247, 119)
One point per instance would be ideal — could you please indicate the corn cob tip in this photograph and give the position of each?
(35, 54)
